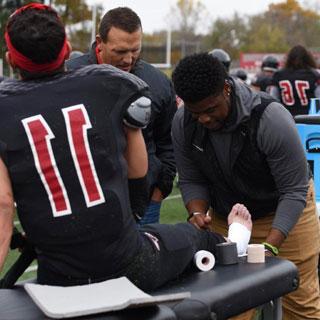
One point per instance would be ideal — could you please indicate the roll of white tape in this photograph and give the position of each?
(204, 260)
(256, 253)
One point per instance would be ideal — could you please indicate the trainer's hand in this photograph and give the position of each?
(268, 254)
(200, 220)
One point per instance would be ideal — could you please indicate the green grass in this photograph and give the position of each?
(172, 211)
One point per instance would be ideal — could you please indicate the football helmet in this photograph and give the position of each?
(222, 56)
(239, 73)
(270, 63)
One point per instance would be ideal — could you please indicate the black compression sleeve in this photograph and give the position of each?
(139, 196)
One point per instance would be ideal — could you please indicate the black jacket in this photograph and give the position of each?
(157, 135)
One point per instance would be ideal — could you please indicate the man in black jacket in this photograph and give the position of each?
(119, 44)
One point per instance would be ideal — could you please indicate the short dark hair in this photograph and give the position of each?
(300, 58)
(122, 18)
(37, 34)
(198, 76)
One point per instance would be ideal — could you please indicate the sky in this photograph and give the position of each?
(154, 13)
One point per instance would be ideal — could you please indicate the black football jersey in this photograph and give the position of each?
(62, 140)
(296, 88)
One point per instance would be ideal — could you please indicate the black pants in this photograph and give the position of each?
(165, 253)
(169, 254)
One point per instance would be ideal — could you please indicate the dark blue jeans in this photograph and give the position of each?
(152, 214)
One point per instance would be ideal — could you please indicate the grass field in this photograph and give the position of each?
(172, 211)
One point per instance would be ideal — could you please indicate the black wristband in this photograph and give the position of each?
(165, 187)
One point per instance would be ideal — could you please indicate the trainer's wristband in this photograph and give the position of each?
(194, 214)
(274, 250)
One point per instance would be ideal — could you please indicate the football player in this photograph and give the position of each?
(297, 82)
(223, 57)
(68, 143)
(263, 80)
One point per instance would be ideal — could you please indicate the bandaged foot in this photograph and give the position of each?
(240, 226)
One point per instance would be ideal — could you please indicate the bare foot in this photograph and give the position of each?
(239, 213)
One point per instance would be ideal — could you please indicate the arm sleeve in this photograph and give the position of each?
(192, 183)
(138, 193)
(279, 140)
(163, 142)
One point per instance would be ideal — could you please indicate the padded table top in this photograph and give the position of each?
(225, 290)
(230, 290)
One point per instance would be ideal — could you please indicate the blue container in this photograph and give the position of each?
(309, 131)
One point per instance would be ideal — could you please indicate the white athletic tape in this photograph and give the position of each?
(204, 260)
(239, 234)
(256, 253)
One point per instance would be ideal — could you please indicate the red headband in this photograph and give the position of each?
(26, 63)
(35, 5)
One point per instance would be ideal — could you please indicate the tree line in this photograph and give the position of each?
(276, 30)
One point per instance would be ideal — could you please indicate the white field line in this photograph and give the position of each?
(176, 196)
(31, 269)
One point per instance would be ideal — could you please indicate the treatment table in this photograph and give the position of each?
(218, 294)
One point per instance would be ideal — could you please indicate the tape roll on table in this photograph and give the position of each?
(227, 253)
(204, 260)
(256, 253)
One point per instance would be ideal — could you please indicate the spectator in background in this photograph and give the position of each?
(119, 44)
(297, 82)
(262, 81)
(233, 143)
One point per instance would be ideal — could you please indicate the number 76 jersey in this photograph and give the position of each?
(62, 141)
(296, 88)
